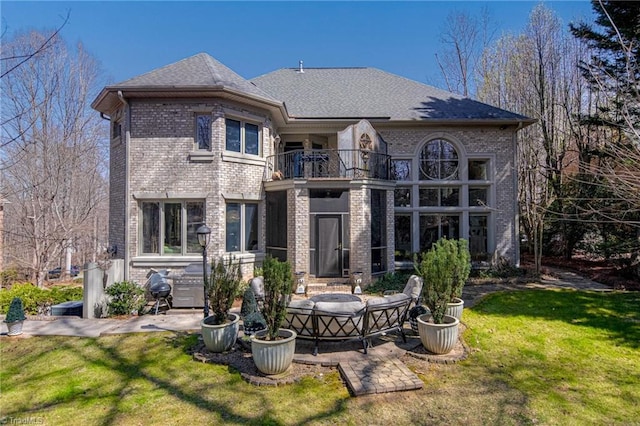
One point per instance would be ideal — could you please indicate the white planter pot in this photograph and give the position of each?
(220, 338)
(438, 338)
(273, 356)
(14, 328)
(455, 308)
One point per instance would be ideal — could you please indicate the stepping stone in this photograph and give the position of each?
(378, 375)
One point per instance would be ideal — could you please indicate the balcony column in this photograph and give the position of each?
(308, 167)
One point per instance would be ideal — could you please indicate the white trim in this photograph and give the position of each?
(238, 157)
(154, 261)
(201, 155)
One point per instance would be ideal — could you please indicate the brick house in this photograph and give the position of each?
(336, 169)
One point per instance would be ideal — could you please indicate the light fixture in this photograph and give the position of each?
(301, 289)
(203, 233)
(356, 281)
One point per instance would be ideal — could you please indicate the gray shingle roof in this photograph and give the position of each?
(198, 71)
(368, 93)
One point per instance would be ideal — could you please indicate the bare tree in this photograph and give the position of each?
(53, 160)
(463, 37)
(529, 74)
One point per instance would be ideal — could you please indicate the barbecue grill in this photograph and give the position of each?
(159, 287)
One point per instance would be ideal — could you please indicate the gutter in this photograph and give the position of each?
(127, 140)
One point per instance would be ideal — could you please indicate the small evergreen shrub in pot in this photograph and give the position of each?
(274, 348)
(15, 317)
(444, 270)
(220, 329)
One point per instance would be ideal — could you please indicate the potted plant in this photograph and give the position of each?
(15, 317)
(220, 329)
(441, 269)
(273, 348)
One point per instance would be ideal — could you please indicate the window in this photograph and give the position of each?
(478, 237)
(401, 169)
(402, 197)
(378, 231)
(441, 192)
(478, 170)
(438, 161)
(276, 217)
(403, 237)
(434, 227)
(116, 129)
(241, 227)
(440, 197)
(242, 137)
(203, 131)
(169, 227)
(477, 196)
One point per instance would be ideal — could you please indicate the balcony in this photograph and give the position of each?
(345, 164)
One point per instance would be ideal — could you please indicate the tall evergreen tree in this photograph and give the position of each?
(615, 67)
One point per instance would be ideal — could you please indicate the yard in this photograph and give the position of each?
(537, 357)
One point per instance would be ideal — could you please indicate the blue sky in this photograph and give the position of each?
(254, 38)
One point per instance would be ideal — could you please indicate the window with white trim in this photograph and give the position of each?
(241, 227)
(242, 137)
(168, 227)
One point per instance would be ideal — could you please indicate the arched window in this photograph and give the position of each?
(438, 161)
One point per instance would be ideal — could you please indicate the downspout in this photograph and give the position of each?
(127, 140)
(516, 229)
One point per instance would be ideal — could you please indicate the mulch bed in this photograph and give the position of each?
(240, 359)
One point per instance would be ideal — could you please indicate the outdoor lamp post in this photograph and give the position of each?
(204, 232)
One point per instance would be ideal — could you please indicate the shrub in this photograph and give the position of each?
(278, 285)
(391, 281)
(222, 288)
(126, 298)
(16, 311)
(444, 269)
(37, 300)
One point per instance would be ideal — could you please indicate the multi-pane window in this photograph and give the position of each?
(203, 131)
(438, 161)
(169, 227)
(241, 227)
(242, 137)
(442, 193)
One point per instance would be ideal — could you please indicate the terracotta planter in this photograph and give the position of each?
(273, 356)
(438, 338)
(220, 338)
(14, 328)
(455, 308)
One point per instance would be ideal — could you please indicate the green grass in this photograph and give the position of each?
(537, 357)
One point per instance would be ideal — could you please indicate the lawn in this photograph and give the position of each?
(537, 357)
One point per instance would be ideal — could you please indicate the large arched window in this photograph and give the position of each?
(439, 161)
(443, 192)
